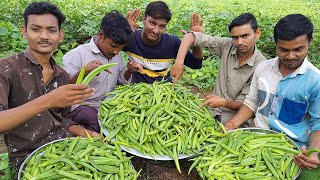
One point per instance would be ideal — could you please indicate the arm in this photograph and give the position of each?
(249, 105)
(80, 131)
(73, 62)
(89, 67)
(196, 25)
(312, 161)
(125, 72)
(242, 116)
(132, 67)
(196, 39)
(63, 96)
(217, 101)
(177, 68)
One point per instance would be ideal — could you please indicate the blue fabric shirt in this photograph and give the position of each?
(288, 104)
(157, 59)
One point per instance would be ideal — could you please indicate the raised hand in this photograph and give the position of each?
(196, 23)
(132, 18)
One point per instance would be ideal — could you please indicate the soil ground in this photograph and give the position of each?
(3, 147)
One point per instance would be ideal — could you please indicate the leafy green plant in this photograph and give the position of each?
(84, 17)
(205, 77)
(6, 171)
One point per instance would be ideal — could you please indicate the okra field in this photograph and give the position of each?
(84, 17)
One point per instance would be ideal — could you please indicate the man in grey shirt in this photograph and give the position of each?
(103, 48)
(239, 57)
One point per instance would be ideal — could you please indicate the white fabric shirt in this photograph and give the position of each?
(288, 104)
(105, 82)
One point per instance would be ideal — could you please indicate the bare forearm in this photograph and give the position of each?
(233, 105)
(242, 116)
(315, 140)
(186, 43)
(77, 130)
(12, 118)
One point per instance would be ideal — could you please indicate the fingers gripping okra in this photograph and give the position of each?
(82, 79)
(157, 119)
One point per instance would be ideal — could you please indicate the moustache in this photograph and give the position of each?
(44, 42)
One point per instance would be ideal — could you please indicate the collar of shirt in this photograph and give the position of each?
(29, 56)
(93, 46)
(250, 62)
(301, 70)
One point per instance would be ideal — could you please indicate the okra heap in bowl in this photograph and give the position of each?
(158, 120)
(77, 158)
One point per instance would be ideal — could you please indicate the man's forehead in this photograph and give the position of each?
(294, 43)
(43, 20)
(241, 30)
(162, 21)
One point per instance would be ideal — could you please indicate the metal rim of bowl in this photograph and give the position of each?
(138, 153)
(47, 144)
(36, 150)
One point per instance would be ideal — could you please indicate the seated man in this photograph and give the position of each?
(285, 91)
(103, 48)
(34, 99)
(154, 49)
(239, 57)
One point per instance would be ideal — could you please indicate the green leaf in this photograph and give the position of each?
(3, 31)
(4, 162)
(16, 36)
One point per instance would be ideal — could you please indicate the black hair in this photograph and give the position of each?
(158, 10)
(243, 19)
(116, 27)
(40, 8)
(293, 26)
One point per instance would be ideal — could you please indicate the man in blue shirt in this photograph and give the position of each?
(285, 91)
(154, 49)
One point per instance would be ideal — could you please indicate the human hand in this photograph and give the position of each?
(303, 161)
(67, 95)
(93, 65)
(214, 101)
(132, 18)
(77, 130)
(94, 134)
(230, 125)
(134, 67)
(176, 72)
(196, 24)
